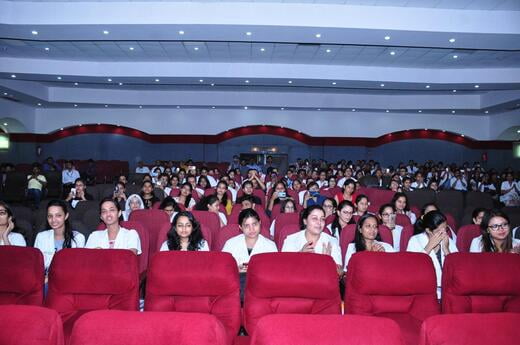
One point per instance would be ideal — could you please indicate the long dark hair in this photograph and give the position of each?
(195, 239)
(188, 198)
(67, 234)
(359, 240)
(335, 225)
(203, 204)
(430, 220)
(224, 199)
(488, 245)
(397, 196)
(306, 212)
(10, 214)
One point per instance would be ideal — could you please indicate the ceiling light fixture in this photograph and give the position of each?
(157, 80)
(334, 83)
(109, 79)
(59, 78)
(106, 32)
(245, 108)
(34, 32)
(477, 86)
(328, 50)
(387, 110)
(76, 84)
(140, 107)
(387, 38)
(290, 82)
(106, 105)
(131, 48)
(452, 40)
(212, 84)
(455, 56)
(487, 112)
(39, 104)
(318, 35)
(181, 32)
(353, 109)
(392, 53)
(120, 84)
(427, 86)
(212, 107)
(420, 111)
(5, 123)
(249, 33)
(201, 80)
(319, 109)
(453, 111)
(247, 81)
(47, 49)
(382, 85)
(454, 90)
(5, 93)
(282, 108)
(75, 105)
(262, 49)
(13, 75)
(196, 48)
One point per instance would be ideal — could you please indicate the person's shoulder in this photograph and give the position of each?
(235, 239)
(296, 235)
(516, 242)
(267, 240)
(387, 247)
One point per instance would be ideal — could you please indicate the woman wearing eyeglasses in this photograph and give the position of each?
(496, 235)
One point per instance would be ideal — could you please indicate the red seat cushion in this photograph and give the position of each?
(474, 329)
(302, 283)
(200, 282)
(111, 327)
(465, 235)
(481, 283)
(22, 275)
(283, 329)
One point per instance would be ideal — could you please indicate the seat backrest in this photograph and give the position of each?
(465, 235)
(478, 199)
(475, 329)
(282, 329)
(154, 221)
(346, 237)
(397, 283)
(406, 234)
(481, 283)
(290, 283)
(420, 197)
(22, 275)
(92, 279)
(379, 197)
(451, 222)
(451, 201)
(285, 218)
(115, 327)
(280, 236)
(402, 219)
(143, 237)
(209, 219)
(225, 233)
(198, 282)
(386, 234)
(30, 325)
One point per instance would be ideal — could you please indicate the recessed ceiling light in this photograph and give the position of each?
(387, 38)
(333, 83)
(131, 48)
(328, 50)
(212, 84)
(382, 85)
(318, 35)
(462, 135)
(487, 111)
(98, 123)
(34, 32)
(392, 53)
(75, 105)
(5, 123)
(181, 32)
(5, 93)
(245, 108)
(387, 110)
(212, 107)
(59, 78)
(106, 105)
(106, 32)
(80, 125)
(109, 79)
(452, 40)
(518, 131)
(282, 108)
(455, 56)
(157, 80)
(201, 80)
(290, 82)
(39, 104)
(120, 84)
(319, 109)
(76, 84)
(262, 49)
(178, 107)
(477, 86)
(140, 107)
(427, 86)
(196, 48)
(47, 48)
(426, 129)
(13, 75)
(247, 81)
(454, 90)
(61, 128)
(249, 33)
(420, 111)
(453, 111)
(353, 109)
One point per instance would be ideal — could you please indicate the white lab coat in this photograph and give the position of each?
(237, 247)
(351, 250)
(203, 248)
(396, 237)
(16, 239)
(417, 244)
(295, 243)
(476, 244)
(45, 243)
(126, 239)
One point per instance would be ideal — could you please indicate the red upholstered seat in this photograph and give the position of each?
(402, 219)
(112, 327)
(346, 237)
(210, 220)
(386, 234)
(21, 275)
(82, 280)
(481, 283)
(29, 325)
(465, 235)
(143, 237)
(290, 283)
(281, 235)
(283, 329)
(474, 329)
(283, 219)
(399, 286)
(154, 221)
(225, 233)
(406, 234)
(198, 282)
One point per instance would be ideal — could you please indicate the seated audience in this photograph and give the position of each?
(222, 195)
(169, 205)
(387, 216)
(212, 204)
(313, 196)
(119, 194)
(9, 235)
(496, 235)
(36, 182)
(141, 168)
(185, 234)
(147, 194)
(185, 197)
(78, 193)
(69, 175)
(286, 206)
(361, 204)
(400, 202)
(349, 189)
(344, 217)
(329, 205)
(278, 195)
(510, 191)
(133, 202)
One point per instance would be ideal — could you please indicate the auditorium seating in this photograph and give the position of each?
(21, 275)
(406, 234)
(481, 283)
(465, 235)
(155, 222)
(209, 219)
(284, 329)
(197, 282)
(474, 329)
(285, 218)
(281, 283)
(281, 235)
(225, 233)
(386, 235)
(29, 325)
(82, 280)
(114, 327)
(398, 286)
(347, 236)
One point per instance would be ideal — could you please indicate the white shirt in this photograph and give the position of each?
(126, 239)
(417, 244)
(237, 247)
(143, 170)
(191, 204)
(295, 243)
(16, 239)
(45, 243)
(476, 244)
(69, 176)
(457, 184)
(511, 195)
(396, 237)
(223, 218)
(203, 246)
(351, 250)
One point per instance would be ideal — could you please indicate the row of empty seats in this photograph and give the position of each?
(398, 286)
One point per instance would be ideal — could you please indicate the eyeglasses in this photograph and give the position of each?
(496, 227)
(387, 214)
(328, 206)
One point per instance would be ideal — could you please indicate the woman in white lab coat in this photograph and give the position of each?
(250, 242)
(432, 238)
(496, 235)
(60, 234)
(185, 234)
